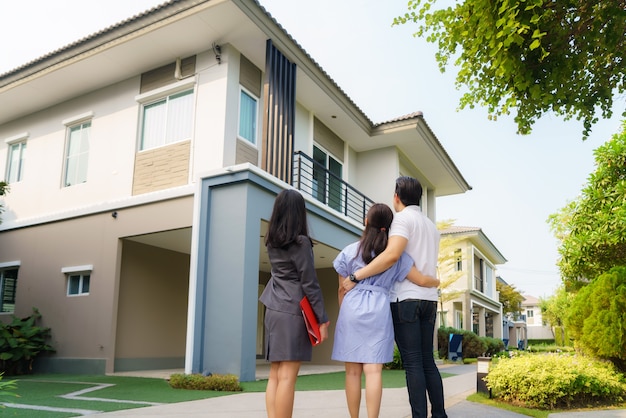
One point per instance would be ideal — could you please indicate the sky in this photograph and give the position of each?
(517, 181)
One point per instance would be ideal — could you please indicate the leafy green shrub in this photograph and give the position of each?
(396, 363)
(494, 345)
(596, 317)
(21, 342)
(550, 381)
(541, 342)
(5, 387)
(472, 346)
(217, 382)
(548, 348)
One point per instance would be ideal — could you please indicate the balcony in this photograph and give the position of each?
(313, 179)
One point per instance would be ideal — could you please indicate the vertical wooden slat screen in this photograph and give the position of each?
(279, 113)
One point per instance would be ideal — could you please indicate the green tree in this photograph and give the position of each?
(592, 228)
(510, 298)
(446, 267)
(536, 56)
(597, 318)
(4, 189)
(554, 311)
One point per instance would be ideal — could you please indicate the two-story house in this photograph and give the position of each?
(143, 163)
(537, 329)
(473, 304)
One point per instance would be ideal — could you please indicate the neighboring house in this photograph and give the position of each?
(476, 308)
(143, 162)
(514, 330)
(537, 329)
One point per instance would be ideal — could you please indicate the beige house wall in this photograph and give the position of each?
(152, 304)
(84, 327)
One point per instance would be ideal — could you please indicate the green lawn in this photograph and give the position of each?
(45, 389)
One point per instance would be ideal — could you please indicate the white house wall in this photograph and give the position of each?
(465, 282)
(113, 143)
(303, 131)
(110, 169)
(215, 125)
(376, 174)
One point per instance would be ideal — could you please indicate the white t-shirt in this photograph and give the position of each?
(423, 246)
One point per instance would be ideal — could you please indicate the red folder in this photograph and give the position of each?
(312, 326)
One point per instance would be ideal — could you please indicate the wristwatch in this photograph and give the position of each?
(353, 278)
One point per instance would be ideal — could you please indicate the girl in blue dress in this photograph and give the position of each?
(364, 331)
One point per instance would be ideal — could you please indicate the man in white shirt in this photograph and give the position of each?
(413, 307)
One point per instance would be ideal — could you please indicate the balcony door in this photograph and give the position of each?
(327, 174)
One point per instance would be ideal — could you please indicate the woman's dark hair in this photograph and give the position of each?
(288, 220)
(409, 190)
(374, 238)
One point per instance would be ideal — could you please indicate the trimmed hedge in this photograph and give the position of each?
(216, 382)
(550, 381)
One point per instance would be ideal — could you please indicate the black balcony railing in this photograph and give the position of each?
(315, 180)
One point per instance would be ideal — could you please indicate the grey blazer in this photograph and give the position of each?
(293, 276)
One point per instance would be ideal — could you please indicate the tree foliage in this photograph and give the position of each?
(554, 311)
(446, 266)
(510, 298)
(597, 317)
(535, 56)
(592, 229)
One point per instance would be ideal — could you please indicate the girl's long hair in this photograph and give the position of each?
(288, 220)
(376, 232)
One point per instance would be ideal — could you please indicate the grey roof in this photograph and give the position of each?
(479, 240)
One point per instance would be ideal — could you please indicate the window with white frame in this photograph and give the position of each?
(167, 120)
(77, 280)
(489, 282)
(248, 116)
(78, 284)
(327, 175)
(77, 154)
(458, 260)
(479, 274)
(8, 288)
(458, 319)
(15, 158)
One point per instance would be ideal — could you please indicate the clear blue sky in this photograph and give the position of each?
(518, 181)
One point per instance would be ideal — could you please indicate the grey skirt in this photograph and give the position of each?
(286, 338)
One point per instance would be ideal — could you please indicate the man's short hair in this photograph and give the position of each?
(409, 190)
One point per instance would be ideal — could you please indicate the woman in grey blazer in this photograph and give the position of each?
(287, 344)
